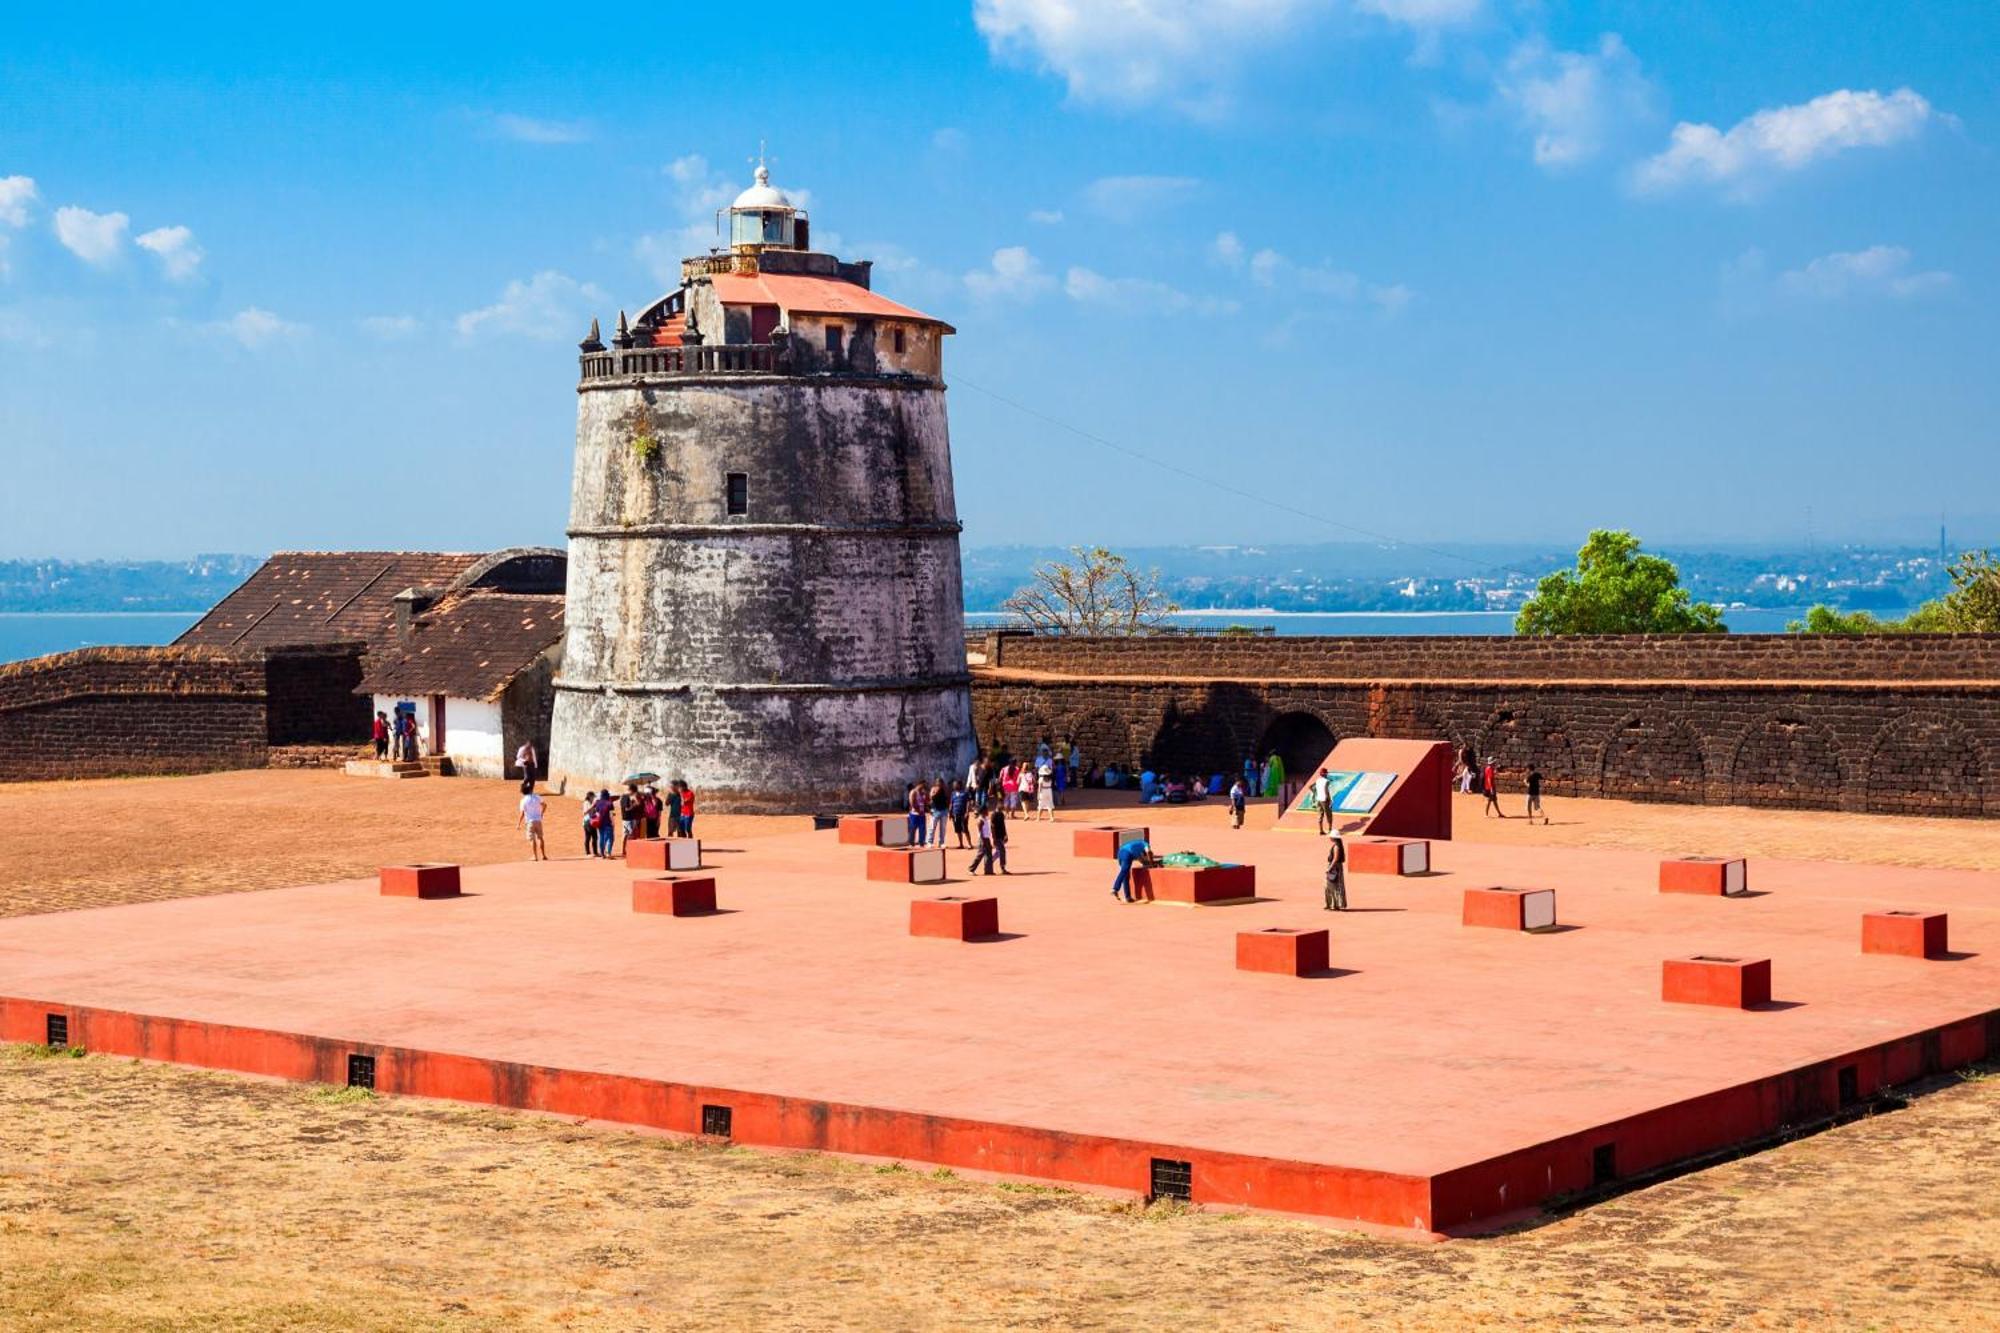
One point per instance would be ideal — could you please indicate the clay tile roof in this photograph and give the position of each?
(469, 646)
(317, 596)
(811, 294)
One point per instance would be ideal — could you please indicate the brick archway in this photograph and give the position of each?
(1926, 764)
(1784, 760)
(1653, 758)
(1300, 737)
(1519, 739)
(1103, 736)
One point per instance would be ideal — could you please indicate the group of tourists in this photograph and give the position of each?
(642, 810)
(1468, 769)
(398, 734)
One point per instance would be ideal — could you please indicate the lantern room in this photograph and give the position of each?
(762, 216)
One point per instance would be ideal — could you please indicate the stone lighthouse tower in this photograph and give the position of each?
(764, 593)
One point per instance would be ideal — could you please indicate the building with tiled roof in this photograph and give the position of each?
(322, 596)
(457, 639)
(478, 669)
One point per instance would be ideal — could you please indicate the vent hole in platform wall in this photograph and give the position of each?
(739, 492)
(715, 1121)
(1604, 1164)
(1172, 1180)
(1850, 1085)
(58, 1029)
(361, 1071)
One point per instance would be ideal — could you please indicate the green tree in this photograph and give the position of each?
(1971, 607)
(1096, 592)
(1615, 589)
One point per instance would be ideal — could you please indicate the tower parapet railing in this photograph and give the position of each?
(705, 359)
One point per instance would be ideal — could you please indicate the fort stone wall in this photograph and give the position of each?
(101, 712)
(1899, 724)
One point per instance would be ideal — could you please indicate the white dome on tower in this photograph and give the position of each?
(763, 194)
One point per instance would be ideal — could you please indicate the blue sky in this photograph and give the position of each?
(1435, 269)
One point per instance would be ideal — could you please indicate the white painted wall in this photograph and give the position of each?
(472, 738)
(471, 733)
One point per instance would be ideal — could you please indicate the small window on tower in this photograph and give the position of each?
(899, 342)
(833, 340)
(739, 492)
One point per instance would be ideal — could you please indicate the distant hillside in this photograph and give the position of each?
(121, 585)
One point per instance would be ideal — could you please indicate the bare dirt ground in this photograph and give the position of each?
(143, 1197)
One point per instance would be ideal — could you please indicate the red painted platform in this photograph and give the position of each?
(1717, 876)
(1510, 909)
(425, 880)
(955, 918)
(674, 895)
(1389, 856)
(907, 865)
(663, 853)
(1906, 933)
(1195, 885)
(1105, 840)
(1714, 979)
(1287, 950)
(1090, 1039)
(875, 830)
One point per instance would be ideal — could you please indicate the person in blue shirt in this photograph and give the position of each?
(1136, 852)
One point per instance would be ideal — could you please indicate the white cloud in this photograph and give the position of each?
(528, 129)
(1275, 272)
(1133, 198)
(16, 193)
(6, 265)
(949, 140)
(1047, 217)
(1880, 270)
(1227, 249)
(391, 328)
(95, 238)
(1573, 102)
(255, 327)
(176, 250)
(1784, 139)
(1013, 275)
(548, 305)
(1423, 13)
(1183, 53)
(1138, 294)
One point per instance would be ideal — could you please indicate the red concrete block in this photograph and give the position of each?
(1909, 934)
(1104, 841)
(1280, 949)
(875, 830)
(674, 895)
(1389, 856)
(1717, 875)
(955, 918)
(1732, 983)
(1510, 909)
(663, 853)
(429, 880)
(906, 865)
(1187, 884)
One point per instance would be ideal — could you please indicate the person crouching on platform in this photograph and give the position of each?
(1336, 873)
(1136, 852)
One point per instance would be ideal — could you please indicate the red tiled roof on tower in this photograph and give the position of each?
(812, 295)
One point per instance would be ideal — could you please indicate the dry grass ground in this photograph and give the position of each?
(141, 1197)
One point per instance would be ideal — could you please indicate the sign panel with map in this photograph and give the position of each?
(1349, 793)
